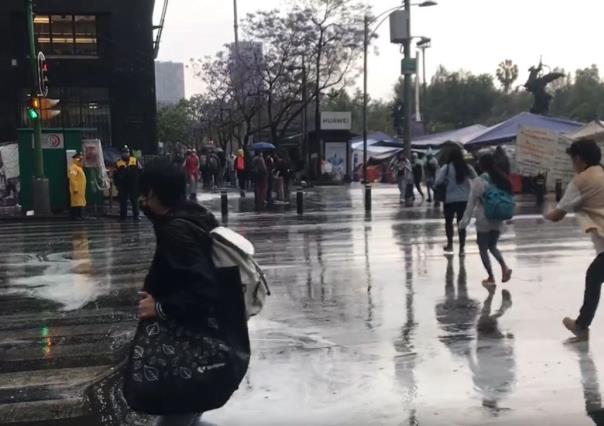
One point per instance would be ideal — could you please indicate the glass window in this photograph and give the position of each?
(62, 34)
(66, 35)
(85, 35)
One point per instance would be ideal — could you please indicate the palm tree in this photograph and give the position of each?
(507, 74)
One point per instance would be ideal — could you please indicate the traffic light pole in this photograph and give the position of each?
(40, 189)
(407, 87)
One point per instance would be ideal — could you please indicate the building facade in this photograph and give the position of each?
(169, 82)
(100, 63)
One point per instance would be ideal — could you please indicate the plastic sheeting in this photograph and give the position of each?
(507, 131)
(593, 130)
(460, 136)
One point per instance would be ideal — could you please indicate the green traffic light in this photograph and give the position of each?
(32, 114)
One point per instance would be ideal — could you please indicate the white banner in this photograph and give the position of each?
(10, 160)
(562, 167)
(535, 151)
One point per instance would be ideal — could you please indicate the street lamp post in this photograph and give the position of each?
(236, 21)
(423, 44)
(407, 82)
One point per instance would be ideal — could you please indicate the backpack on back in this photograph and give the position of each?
(498, 204)
(232, 250)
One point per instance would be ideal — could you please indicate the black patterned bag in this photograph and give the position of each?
(175, 368)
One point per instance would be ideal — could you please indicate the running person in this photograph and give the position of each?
(585, 196)
(488, 231)
(458, 175)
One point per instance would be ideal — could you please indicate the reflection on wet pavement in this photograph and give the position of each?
(368, 322)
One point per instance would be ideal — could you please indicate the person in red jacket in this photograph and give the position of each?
(191, 167)
(240, 169)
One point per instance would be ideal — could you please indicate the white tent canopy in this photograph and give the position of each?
(373, 151)
(593, 130)
(461, 136)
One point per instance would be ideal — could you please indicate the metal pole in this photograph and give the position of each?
(40, 185)
(33, 59)
(236, 25)
(365, 70)
(425, 89)
(305, 113)
(407, 86)
(418, 113)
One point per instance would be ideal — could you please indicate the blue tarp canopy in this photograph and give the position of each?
(460, 136)
(508, 130)
(378, 145)
(375, 138)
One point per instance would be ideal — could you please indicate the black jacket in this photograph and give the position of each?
(182, 278)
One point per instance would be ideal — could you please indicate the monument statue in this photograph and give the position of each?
(537, 84)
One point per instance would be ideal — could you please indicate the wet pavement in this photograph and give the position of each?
(368, 322)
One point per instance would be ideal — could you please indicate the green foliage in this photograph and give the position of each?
(583, 100)
(174, 123)
(458, 99)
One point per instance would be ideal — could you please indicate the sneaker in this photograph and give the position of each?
(448, 249)
(582, 334)
(462, 253)
(489, 282)
(507, 276)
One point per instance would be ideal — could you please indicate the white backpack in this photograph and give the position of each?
(229, 250)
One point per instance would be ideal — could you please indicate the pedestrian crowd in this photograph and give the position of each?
(487, 196)
(191, 304)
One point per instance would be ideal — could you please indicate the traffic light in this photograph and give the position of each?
(33, 109)
(47, 108)
(397, 114)
(42, 75)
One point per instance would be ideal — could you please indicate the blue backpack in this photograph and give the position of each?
(498, 204)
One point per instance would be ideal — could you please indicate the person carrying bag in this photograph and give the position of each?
(191, 348)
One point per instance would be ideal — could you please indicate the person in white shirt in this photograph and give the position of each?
(585, 196)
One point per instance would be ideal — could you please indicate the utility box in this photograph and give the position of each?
(400, 27)
(55, 143)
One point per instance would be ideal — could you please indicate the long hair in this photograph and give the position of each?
(499, 179)
(462, 171)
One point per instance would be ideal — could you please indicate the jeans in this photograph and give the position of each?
(418, 186)
(593, 284)
(487, 242)
(402, 183)
(192, 186)
(451, 211)
(178, 420)
(241, 178)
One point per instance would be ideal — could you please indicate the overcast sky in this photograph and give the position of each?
(471, 34)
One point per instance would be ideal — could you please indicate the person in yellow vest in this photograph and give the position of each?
(127, 171)
(77, 187)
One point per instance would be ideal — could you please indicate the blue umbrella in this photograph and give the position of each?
(263, 146)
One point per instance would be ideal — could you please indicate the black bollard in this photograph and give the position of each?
(224, 203)
(558, 190)
(300, 201)
(540, 189)
(367, 198)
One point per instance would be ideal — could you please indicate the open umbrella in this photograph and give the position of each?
(263, 146)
